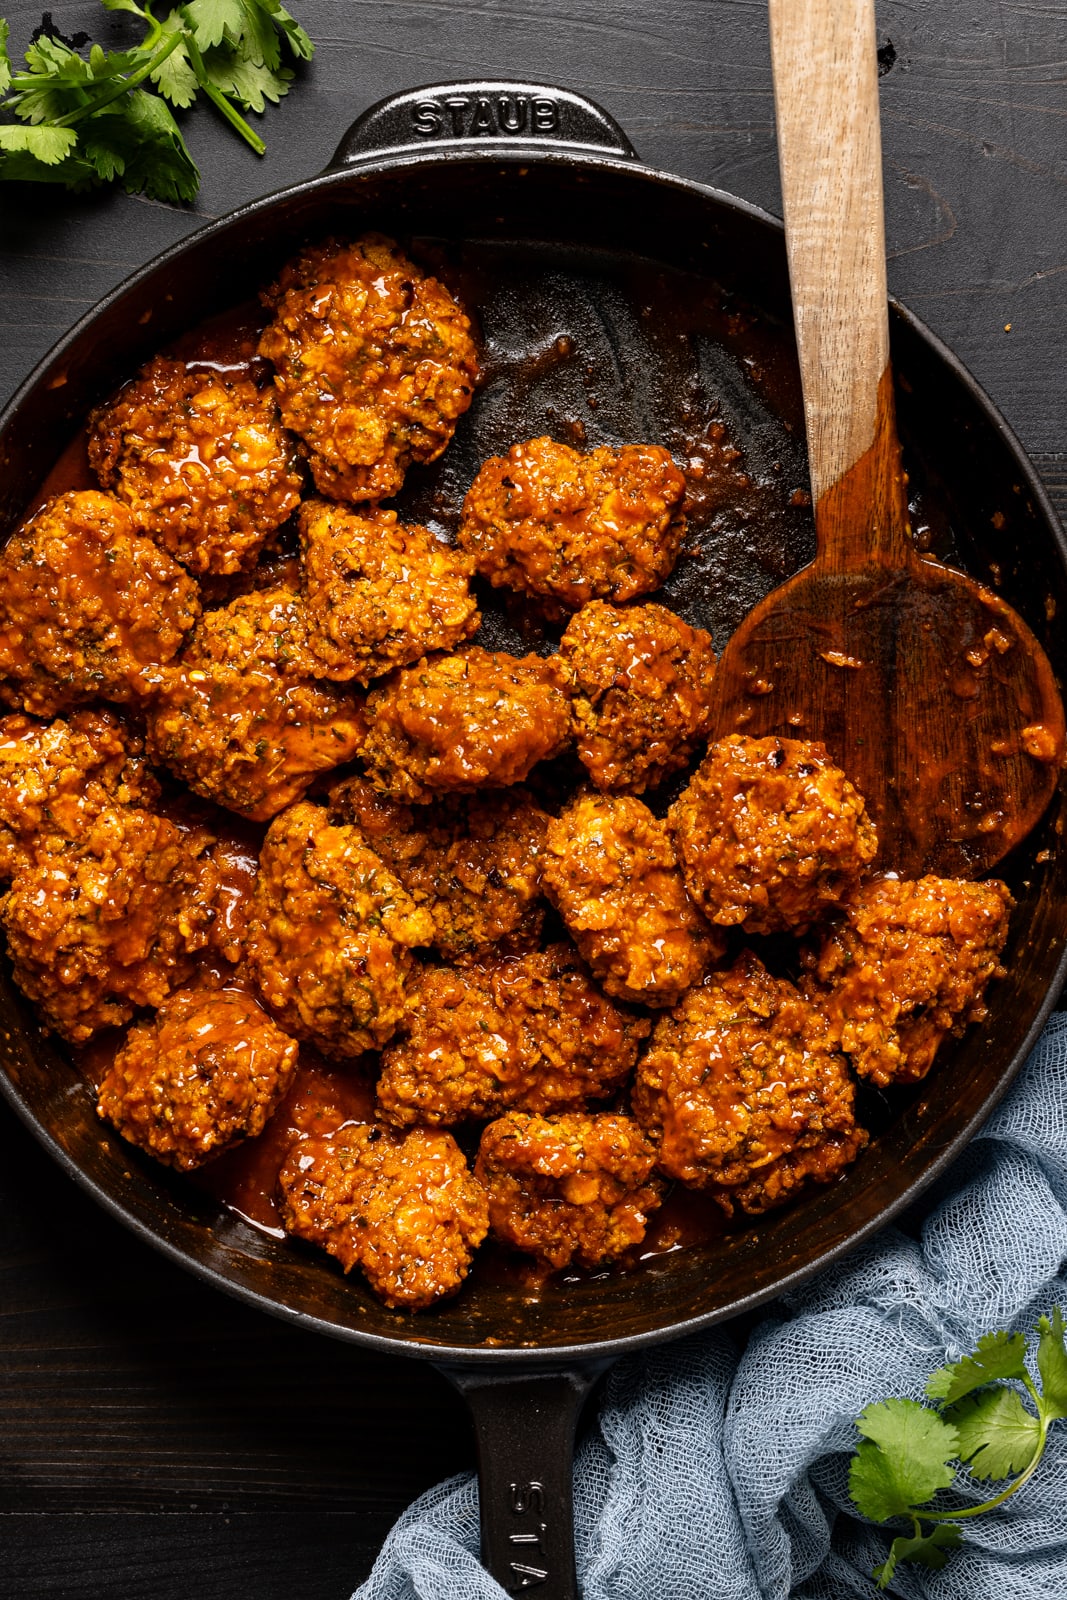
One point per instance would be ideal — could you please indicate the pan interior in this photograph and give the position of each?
(600, 335)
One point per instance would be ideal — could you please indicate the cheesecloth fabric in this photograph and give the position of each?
(717, 1470)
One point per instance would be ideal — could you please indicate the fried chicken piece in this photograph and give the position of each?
(374, 364)
(262, 628)
(88, 606)
(547, 520)
(205, 1073)
(330, 934)
(237, 719)
(464, 722)
(55, 777)
(105, 922)
(530, 1031)
(401, 1206)
(379, 593)
(905, 965)
(202, 460)
(744, 1092)
(641, 692)
(612, 875)
(569, 1188)
(473, 861)
(770, 834)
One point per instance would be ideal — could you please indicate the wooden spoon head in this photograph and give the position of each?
(928, 690)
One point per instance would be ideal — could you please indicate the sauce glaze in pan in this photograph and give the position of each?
(599, 285)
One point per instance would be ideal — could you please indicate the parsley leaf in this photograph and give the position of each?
(95, 118)
(998, 1436)
(928, 1549)
(998, 1355)
(1052, 1364)
(903, 1460)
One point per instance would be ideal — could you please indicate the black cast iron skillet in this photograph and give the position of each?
(592, 276)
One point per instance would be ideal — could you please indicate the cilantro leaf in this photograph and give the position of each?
(299, 42)
(997, 1355)
(903, 1460)
(251, 86)
(5, 59)
(48, 145)
(929, 1549)
(158, 162)
(1052, 1365)
(92, 118)
(174, 77)
(998, 1436)
(243, 23)
(254, 28)
(60, 81)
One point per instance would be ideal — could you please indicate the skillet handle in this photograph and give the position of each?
(524, 1424)
(478, 114)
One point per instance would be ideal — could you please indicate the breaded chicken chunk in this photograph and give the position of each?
(374, 364)
(88, 606)
(401, 1206)
(482, 719)
(473, 861)
(55, 777)
(641, 692)
(569, 1188)
(770, 834)
(906, 964)
(330, 934)
(612, 875)
(744, 1093)
(239, 720)
(202, 460)
(106, 922)
(547, 520)
(206, 1072)
(530, 1031)
(379, 593)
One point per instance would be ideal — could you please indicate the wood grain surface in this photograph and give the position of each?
(158, 1441)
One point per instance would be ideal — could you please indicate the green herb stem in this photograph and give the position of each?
(1005, 1494)
(219, 100)
(123, 87)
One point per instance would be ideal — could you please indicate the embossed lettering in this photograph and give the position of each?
(458, 104)
(426, 119)
(512, 113)
(528, 1576)
(482, 121)
(527, 1497)
(545, 116)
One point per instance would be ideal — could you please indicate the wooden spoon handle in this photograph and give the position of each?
(825, 62)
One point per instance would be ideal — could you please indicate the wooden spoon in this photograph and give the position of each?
(928, 690)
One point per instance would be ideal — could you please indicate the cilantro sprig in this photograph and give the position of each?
(910, 1451)
(82, 118)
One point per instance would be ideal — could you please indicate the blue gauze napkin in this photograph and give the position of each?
(719, 1472)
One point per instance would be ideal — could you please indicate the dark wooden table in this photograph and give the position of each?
(156, 1439)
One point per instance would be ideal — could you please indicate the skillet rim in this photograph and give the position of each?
(407, 1340)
